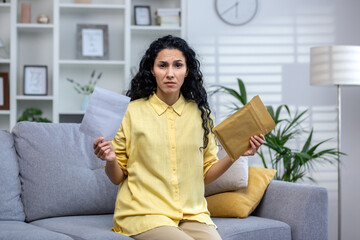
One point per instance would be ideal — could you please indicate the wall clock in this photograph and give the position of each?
(236, 12)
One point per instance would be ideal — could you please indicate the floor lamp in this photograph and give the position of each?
(337, 66)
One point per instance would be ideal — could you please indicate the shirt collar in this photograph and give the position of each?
(160, 106)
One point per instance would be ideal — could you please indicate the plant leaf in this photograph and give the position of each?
(242, 90)
(307, 143)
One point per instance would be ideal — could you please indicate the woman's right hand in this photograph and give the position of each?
(104, 150)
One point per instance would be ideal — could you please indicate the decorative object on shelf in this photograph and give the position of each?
(4, 1)
(4, 91)
(35, 80)
(85, 103)
(86, 89)
(32, 115)
(142, 15)
(168, 17)
(336, 66)
(4, 54)
(236, 12)
(25, 16)
(92, 41)
(291, 164)
(82, 1)
(43, 19)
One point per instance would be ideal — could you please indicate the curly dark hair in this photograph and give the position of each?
(144, 83)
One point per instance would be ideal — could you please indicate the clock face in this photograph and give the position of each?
(236, 12)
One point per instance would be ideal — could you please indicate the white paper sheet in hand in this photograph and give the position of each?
(104, 114)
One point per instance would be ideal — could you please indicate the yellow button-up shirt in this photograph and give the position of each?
(159, 148)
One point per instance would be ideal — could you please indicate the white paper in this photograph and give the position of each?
(104, 114)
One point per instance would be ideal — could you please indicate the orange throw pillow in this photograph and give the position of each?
(241, 203)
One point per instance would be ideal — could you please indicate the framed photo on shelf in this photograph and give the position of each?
(4, 91)
(142, 15)
(35, 80)
(92, 41)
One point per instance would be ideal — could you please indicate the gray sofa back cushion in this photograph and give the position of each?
(11, 207)
(59, 172)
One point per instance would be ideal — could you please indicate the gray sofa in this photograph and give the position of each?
(53, 187)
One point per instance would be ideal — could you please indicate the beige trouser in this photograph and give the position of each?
(188, 230)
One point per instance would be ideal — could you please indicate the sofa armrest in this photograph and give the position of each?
(303, 207)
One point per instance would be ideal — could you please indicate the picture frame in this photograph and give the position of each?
(4, 91)
(35, 80)
(142, 15)
(92, 41)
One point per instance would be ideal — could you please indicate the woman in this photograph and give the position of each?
(165, 150)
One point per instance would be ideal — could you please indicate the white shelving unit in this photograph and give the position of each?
(5, 60)
(55, 45)
(113, 14)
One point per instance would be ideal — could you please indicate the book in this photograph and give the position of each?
(168, 20)
(167, 11)
(169, 17)
(235, 131)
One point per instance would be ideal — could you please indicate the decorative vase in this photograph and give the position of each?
(25, 13)
(85, 102)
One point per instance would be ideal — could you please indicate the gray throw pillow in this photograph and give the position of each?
(11, 208)
(59, 172)
(234, 178)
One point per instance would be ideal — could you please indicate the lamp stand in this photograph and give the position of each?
(339, 148)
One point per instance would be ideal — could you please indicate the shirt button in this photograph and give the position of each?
(172, 147)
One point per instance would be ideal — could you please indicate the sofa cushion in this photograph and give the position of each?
(98, 227)
(235, 178)
(16, 230)
(242, 202)
(94, 227)
(11, 207)
(252, 228)
(59, 172)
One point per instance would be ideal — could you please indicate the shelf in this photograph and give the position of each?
(41, 98)
(4, 112)
(93, 62)
(4, 5)
(155, 28)
(32, 27)
(91, 6)
(56, 45)
(4, 60)
(72, 113)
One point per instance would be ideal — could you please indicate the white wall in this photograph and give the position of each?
(271, 55)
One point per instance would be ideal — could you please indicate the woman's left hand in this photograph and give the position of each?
(255, 144)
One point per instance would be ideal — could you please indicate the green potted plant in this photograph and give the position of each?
(86, 89)
(291, 164)
(32, 114)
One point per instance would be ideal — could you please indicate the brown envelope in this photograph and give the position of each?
(234, 132)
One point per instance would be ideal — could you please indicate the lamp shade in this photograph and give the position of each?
(335, 65)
